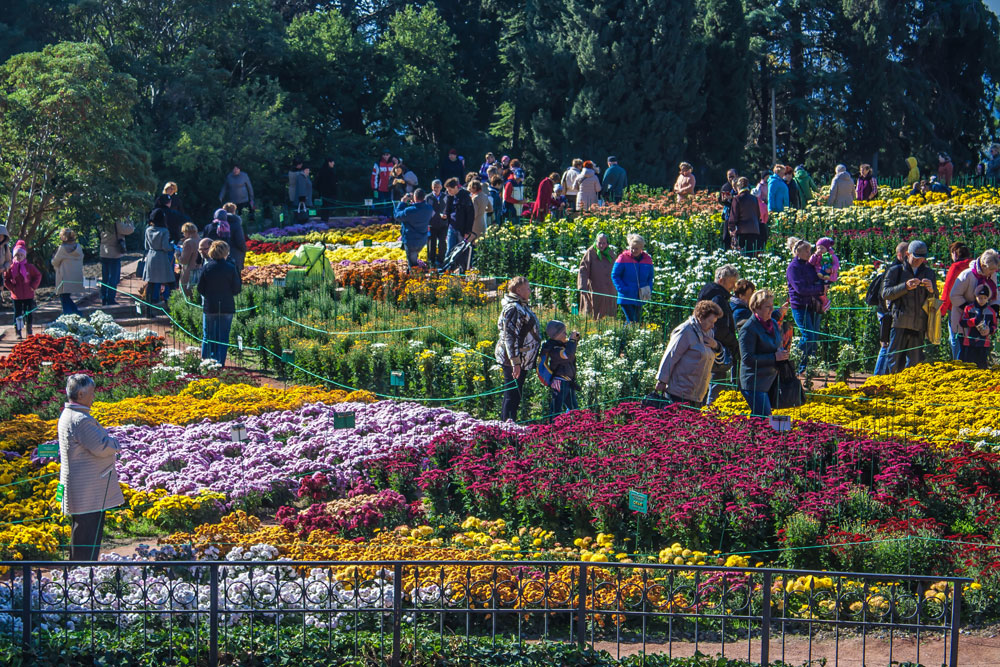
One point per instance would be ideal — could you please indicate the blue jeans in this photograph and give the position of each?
(564, 399)
(882, 361)
(808, 323)
(68, 306)
(153, 292)
(633, 311)
(215, 329)
(454, 238)
(759, 402)
(956, 341)
(111, 275)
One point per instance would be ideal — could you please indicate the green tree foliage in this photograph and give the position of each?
(66, 129)
(653, 81)
(621, 76)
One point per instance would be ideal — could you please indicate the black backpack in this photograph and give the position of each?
(873, 295)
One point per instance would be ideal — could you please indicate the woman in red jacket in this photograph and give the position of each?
(961, 257)
(544, 198)
(22, 279)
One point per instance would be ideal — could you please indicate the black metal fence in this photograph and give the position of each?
(390, 611)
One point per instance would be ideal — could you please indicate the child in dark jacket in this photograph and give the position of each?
(979, 323)
(557, 367)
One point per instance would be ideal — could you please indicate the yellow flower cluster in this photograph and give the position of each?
(34, 526)
(678, 555)
(159, 506)
(853, 283)
(376, 234)
(215, 400)
(427, 289)
(961, 197)
(941, 402)
(333, 256)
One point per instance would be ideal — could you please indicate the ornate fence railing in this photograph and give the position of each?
(388, 611)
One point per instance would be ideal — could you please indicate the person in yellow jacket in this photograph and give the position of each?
(913, 175)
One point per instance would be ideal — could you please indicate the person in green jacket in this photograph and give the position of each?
(807, 186)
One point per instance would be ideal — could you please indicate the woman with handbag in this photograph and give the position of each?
(686, 367)
(761, 351)
(112, 249)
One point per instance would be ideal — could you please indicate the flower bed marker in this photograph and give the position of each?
(343, 419)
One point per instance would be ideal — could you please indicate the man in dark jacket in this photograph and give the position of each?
(885, 318)
(719, 293)
(453, 167)
(906, 287)
(438, 226)
(460, 211)
(744, 219)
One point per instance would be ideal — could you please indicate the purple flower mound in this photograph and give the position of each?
(279, 448)
(305, 228)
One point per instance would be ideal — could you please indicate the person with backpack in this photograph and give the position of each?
(873, 297)
(906, 287)
(557, 367)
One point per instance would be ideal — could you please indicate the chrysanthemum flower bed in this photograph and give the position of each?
(942, 403)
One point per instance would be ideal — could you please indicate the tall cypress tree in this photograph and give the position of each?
(630, 73)
(719, 136)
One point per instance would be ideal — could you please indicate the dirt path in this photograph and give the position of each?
(974, 650)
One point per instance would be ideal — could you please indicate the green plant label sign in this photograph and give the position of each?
(281, 217)
(239, 342)
(312, 212)
(638, 502)
(48, 449)
(396, 379)
(367, 243)
(343, 419)
(317, 203)
(575, 309)
(59, 493)
(287, 356)
(368, 202)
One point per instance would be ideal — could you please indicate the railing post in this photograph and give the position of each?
(581, 608)
(397, 613)
(213, 615)
(25, 610)
(956, 623)
(765, 621)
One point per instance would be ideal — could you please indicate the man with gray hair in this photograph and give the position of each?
(719, 293)
(88, 482)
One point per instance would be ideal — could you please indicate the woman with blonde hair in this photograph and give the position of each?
(176, 204)
(68, 263)
(684, 186)
(686, 367)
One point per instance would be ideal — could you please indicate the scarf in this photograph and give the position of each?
(768, 326)
(21, 267)
(982, 280)
(604, 254)
(223, 227)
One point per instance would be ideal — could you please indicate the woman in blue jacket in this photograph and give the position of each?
(632, 276)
